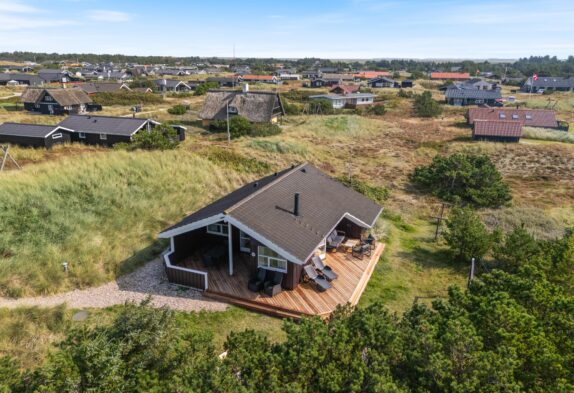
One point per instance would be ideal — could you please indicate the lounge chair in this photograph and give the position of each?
(370, 240)
(255, 284)
(361, 250)
(335, 239)
(321, 283)
(329, 274)
(273, 286)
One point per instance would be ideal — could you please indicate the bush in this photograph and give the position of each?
(425, 106)
(466, 235)
(264, 129)
(202, 88)
(126, 98)
(321, 107)
(406, 93)
(161, 137)
(376, 193)
(143, 83)
(377, 110)
(177, 110)
(240, 126)
(464, 177)
(291, 109)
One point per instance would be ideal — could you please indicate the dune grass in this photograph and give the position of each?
(98, 212)
(547, 135)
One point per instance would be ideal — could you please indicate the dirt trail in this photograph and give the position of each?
(150, 279)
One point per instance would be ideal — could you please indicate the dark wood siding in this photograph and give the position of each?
(94, 139)
(36, 141)
(350, 228)
(185, 277)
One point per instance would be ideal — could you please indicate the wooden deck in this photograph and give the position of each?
(353, 277)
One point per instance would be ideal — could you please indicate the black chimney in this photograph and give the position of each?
(296, 204)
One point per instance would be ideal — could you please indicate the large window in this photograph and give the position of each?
(269, 259)
(220, 229)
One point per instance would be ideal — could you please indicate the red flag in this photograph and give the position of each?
(534, 77)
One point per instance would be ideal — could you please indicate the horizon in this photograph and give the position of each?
(345, 30)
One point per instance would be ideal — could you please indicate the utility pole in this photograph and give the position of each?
(471, 275)
(228, 132)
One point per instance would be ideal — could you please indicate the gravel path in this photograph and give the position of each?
(150, 279)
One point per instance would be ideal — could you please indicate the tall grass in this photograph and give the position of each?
(100, 213)
(547, 135)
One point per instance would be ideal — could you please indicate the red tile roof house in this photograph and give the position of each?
(259, 78)
(344, 89)
(455, 76)
(265, 245)
(540, 118)
(497, 130)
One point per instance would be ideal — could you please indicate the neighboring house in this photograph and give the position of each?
(255, 106)
(461, 96)
(35, 135)
(351, 100)
(141, 90)
(372, 74)
(381, 82)
(106, 130)
(310, 74)
(344, 89)
(289, 77)
(556, 83)
(542, 118)
(56, 76)
(232, 81)
(319, 83)
(56, 101)
(328, 70)
(497, 130)
(20, 79)
(406, 84)
(455, 76)
(93, 88)
(258, 78)
(266, 235)
(174, 85)
(337, 79)
(480, 84)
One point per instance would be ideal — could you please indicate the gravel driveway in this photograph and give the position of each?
(149, 279)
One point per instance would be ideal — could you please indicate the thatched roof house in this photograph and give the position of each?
(255, 106)
(55, 101)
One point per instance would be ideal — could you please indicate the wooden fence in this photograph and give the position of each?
(183, 276)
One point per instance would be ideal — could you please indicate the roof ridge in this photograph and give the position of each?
(266, 187)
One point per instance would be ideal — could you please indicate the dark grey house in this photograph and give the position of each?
(34, 135)
(20, 79)
(105, 130)
(461, 96)
(556, 83)
(171, 85)
(275, 229)
(381, 81)
(56, 76)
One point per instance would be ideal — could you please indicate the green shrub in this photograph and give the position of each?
(202, 88)
(240, 126)
(463, 177)
(161, 137)
(425, 106)
(376, 193)
(321, 107)
(466, 235)
(406, 93)
(177, 110)
(264, 129)
(377, 110)
(291, 109)
(126, 98)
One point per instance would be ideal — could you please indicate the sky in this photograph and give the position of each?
(336, 29)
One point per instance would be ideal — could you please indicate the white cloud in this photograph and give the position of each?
(12, 22)
(109, 16)
(16, 6)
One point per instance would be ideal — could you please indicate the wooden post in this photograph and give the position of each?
(439, 221)
(471, 275)
(230, 247)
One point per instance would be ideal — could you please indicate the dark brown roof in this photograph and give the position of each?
(497, 128)
(256, 106)
(30, 96)
(91, 88)
(266, 209)
(528, 117)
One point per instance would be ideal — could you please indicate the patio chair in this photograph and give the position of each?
(255, 284)
(370, 240)
(329, 274)
(361, 250)
(273, 286)
(320, 282)
(335, 239)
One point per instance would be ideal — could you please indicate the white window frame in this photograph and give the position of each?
(219, 231)
(244, 237)
(82, 135)
(263, 261)
(57, 136)
(104, 137)
(502, 115)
